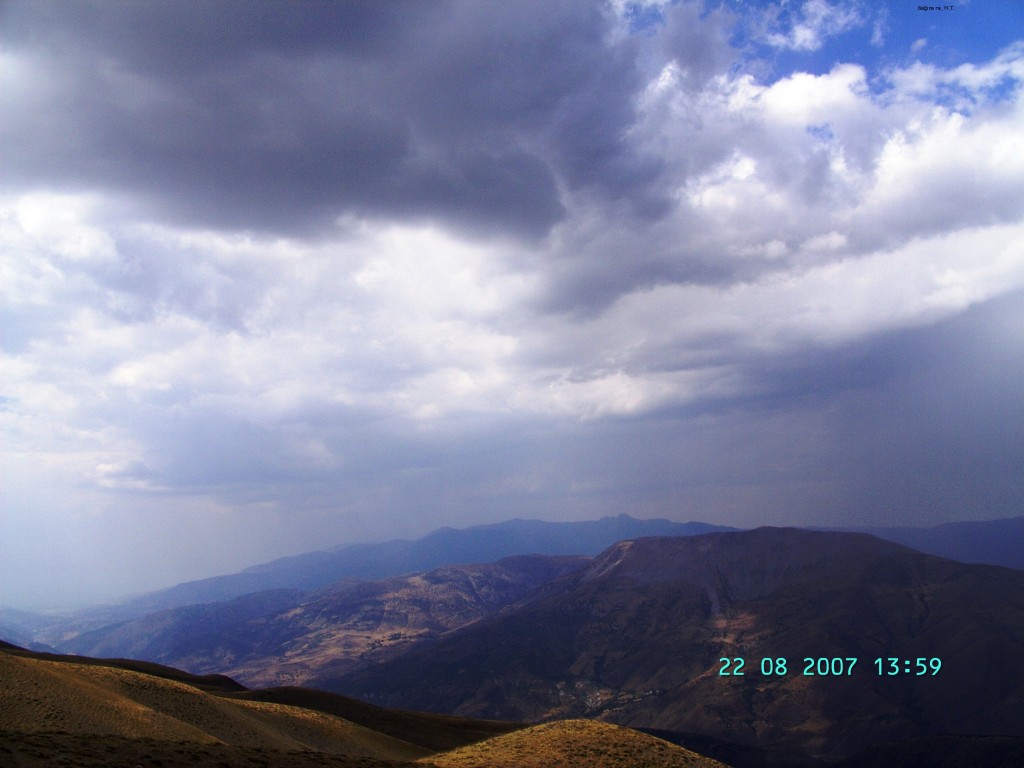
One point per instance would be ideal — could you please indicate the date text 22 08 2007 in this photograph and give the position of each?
(824, 666)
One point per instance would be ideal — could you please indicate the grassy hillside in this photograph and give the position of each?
(431, 731)
(87, 713)
(49, 697)
(572, 743)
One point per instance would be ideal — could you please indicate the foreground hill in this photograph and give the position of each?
(638, 638)
(284, 637)
(434, 732)
(90, 713)
(570, 743)
(102, 709)
(66, 698)
(71, 697)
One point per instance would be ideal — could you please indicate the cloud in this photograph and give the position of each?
(297, 276)
(780, 169)
(280, 119)
(812, 25)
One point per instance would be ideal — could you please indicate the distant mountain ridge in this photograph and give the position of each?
(313, 570)
(999, 542)
(994, 542)
(445, 546)
(989, 542)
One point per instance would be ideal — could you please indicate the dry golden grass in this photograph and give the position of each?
(436, 733)
(572, 744)
(338, 649)
(39, 696)
(66, 750)
(78, 715)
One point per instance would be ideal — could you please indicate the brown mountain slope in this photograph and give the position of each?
(572, 743)
(213, 683)
(431, 731)
(73, 750)
(47, 697)
(91, 715)
(638, 636)
(353, 624)
(334, 630)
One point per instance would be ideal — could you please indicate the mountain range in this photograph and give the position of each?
(995, 542)
(314, 570)
(991, 542)
(445, 546)
(638, 636)
(641, 635)
(635, 631)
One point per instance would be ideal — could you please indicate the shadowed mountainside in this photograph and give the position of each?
(431, 731)
(943, 752)
(637, 637)
(165, 636)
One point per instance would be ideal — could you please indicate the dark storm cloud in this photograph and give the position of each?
(920, 425)
(923, 423)
(698, 41)
(277, 116)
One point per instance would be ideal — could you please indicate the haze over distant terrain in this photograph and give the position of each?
(278, 277)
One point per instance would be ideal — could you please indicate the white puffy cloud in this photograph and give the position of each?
(415, 322)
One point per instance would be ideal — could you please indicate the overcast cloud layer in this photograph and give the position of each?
(280, 276)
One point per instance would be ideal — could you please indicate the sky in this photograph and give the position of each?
(276, 277)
